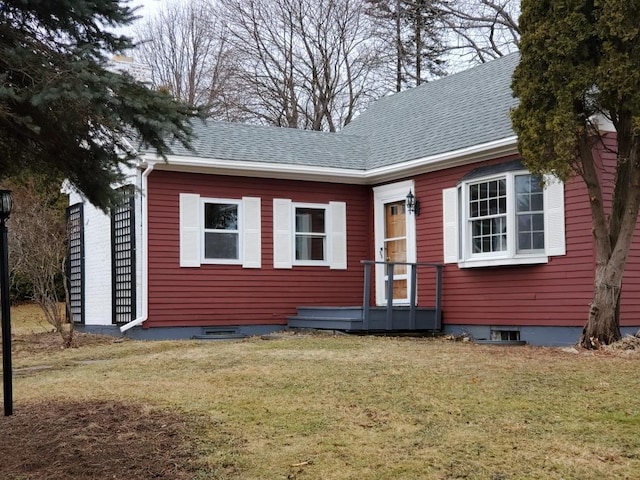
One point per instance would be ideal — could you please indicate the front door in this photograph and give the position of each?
(395, 248)
(395, 240)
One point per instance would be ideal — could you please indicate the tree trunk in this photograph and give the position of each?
(613, 238)
(603, 325)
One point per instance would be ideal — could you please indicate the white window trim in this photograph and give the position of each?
(239, 232)
(327, 233)
(457, 232)
(191, 220)
(284, 234)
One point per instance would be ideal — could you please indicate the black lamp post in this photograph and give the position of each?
(6, 202)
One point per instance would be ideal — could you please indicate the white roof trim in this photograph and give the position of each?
(255, 169)
(476, 153)
(463, 156)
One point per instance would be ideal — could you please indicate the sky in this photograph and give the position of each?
(148, 6)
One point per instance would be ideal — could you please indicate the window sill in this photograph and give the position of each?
(497, 262)
(220, 261)
(311, 263)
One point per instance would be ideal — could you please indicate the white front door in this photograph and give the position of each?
(394, 240)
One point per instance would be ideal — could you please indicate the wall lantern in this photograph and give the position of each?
(6, 202)
(413, 205)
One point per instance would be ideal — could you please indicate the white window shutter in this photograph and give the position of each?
(338, 235)
(282, 233)
(554, 232)
(450, 238)
(189, 230)
(252, 234)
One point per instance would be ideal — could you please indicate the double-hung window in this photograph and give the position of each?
(221, 232)
(310, 234)
(503, 218)
(529, 213)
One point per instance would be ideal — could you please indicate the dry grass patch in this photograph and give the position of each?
(319, 407)
(95, 440)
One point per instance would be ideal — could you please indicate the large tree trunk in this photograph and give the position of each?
(603, 325)
(613, 234)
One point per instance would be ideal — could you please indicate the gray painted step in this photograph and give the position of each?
(325, 323)
(330, 312)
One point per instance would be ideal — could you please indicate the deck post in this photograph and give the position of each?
(412, 297)
(389, 320)
(366, 305)
(438, 305)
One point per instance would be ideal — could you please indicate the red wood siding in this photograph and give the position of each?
(630, 299)
(218, 295)
(557, 293)
(554, 294)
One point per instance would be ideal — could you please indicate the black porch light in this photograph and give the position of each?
(413, 205)
(6, 203)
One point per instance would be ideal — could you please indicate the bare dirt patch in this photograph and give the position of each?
(45, 341)
(95, 440)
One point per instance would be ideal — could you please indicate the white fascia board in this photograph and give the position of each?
(256, 169)
(464, 156)
(476, 153)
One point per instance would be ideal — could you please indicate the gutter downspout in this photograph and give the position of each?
(145, 255)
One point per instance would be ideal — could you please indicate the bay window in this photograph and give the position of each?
(499, 217)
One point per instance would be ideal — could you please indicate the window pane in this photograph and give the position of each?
(221, 245)
(310, 247)
(396, 251)
(524, 241)
(475, 210)
(310, 220)
(489, 235)
(524, 223)
(538, 222)
(537, 204)
(493, 189)
(498, 243)
(220, 216)
(473, 192)
(523, 184)
(523, 203)
(530, 232)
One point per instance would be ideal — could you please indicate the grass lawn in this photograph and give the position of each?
(318, 407)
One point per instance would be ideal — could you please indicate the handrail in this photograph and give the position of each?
(412, 291)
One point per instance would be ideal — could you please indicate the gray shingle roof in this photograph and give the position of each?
(252, 143)
(462, 110)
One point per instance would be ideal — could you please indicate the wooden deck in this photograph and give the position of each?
(368, 318)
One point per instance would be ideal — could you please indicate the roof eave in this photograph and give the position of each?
(212, 166)
(464, 156)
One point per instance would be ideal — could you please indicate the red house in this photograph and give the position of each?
(419, 215)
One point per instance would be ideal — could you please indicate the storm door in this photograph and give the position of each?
(395, 241)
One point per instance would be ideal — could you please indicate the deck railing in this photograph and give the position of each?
(413, 277)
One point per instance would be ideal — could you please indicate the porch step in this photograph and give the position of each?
(351, 319)
(325, 323)
(346, 313)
